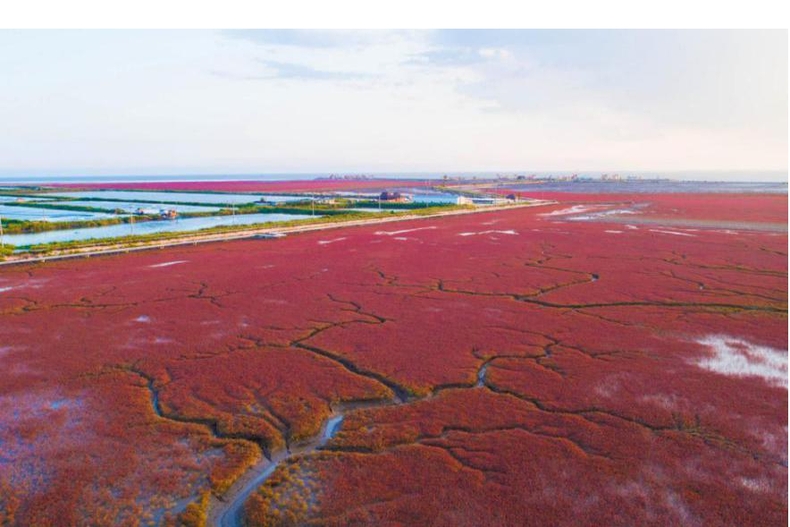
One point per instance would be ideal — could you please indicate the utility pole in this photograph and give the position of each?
(131, 222)
(1, 232)
(312, 204)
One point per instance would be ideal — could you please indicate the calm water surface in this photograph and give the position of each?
(148, 227)
(37, 214)
(131, 206)
(162, 197)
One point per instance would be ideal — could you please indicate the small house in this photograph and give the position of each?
(394, 197)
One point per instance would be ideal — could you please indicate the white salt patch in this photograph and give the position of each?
(614, 212)
(166, 264)
(143, 318)
(392, 233)
(755, 485)
(2, 289)
(633, 227)
(401, 238)
(740, 358)
(511, 232)
(672, 232)
(668, 402)
(676, 504)
(563, 212)
(602, 215)
(614, 232)
(327, 242)
(770, 441)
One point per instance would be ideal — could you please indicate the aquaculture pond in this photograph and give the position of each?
(7, 199)
(162, 197)
(41, 214)
(421, 198)
(133, 206)
(148, 227)
(435, 198)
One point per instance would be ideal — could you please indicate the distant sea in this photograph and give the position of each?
(689, 181)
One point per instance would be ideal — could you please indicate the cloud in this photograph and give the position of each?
(446, 57)
(288, 70)
(463, 56)
(476, 38)
(494, 53)
(712, 79)
(310, 38)
(292, 71)
(288, 37)
(473, 100)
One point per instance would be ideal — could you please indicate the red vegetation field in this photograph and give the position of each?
(504, 368)
(767, 208)
(312, 185)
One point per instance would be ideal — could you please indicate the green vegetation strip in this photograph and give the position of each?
(59, 205)
(26, 226)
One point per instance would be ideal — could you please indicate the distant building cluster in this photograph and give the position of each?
(347, 177)
(486, 200)
(506, 177)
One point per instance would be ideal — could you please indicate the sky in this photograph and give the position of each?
(277, 101)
